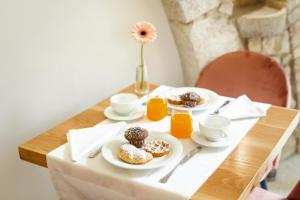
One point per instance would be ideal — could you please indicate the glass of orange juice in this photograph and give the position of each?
(157, 108)
(181, 123)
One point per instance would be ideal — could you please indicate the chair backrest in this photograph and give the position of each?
(243, 72)
(295, 193)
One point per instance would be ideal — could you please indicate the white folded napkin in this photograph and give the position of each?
(161, 90)
(82, 141)
(242, 108)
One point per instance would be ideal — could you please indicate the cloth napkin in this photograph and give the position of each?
(159, 91)
(82, 141)
(242, 108)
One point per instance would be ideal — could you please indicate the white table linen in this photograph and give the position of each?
(246, 109)
(97, 179)
(82, 141)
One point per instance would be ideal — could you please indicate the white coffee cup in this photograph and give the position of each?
(214, 127)
(123, 103)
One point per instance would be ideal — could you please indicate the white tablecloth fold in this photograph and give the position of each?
(82, 141)
(91, 179)
(242, 108)
(159, 91)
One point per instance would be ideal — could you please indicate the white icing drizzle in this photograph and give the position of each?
(157, 146)
(133, 152)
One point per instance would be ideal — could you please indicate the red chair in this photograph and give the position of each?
(261, 194)
(259, 77)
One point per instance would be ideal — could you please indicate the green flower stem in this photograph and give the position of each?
(142, 66)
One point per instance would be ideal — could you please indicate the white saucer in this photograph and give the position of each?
(136, 114)
(200, 139)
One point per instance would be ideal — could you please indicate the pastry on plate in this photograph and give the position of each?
(136, 136)
(189, 96)
(191, 99)
(188, 99)
(132, 155)
(175, 100)
(157, 148)
(189, 104)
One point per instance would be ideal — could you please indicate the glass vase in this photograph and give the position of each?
(141, 80)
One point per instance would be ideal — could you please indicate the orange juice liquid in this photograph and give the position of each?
(181, 125)
(157, 109)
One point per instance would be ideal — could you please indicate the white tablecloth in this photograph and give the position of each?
(97, 179)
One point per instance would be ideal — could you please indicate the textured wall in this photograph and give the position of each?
(203, 30)
(58, 57)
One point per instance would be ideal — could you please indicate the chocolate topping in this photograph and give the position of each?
(136, 136)
(189, 104)
(190, 96)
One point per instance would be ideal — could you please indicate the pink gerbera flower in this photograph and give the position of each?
(144, 32)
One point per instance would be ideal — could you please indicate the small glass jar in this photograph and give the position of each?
(141, 84)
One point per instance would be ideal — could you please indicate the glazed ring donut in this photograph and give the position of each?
(132, 155)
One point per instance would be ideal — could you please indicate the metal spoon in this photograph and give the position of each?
(218, 109)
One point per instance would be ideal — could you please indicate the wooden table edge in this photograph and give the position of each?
(37, 156)
(256, 179)
(199, 194)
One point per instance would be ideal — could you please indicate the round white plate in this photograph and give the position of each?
(210, 98)
(111, 148)
(200, 139)
(136, 114)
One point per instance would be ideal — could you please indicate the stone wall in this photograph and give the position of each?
(293, 23)
(207, 29)
(203, 31)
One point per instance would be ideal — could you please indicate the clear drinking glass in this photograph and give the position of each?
(157, 108)
(181, 123)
